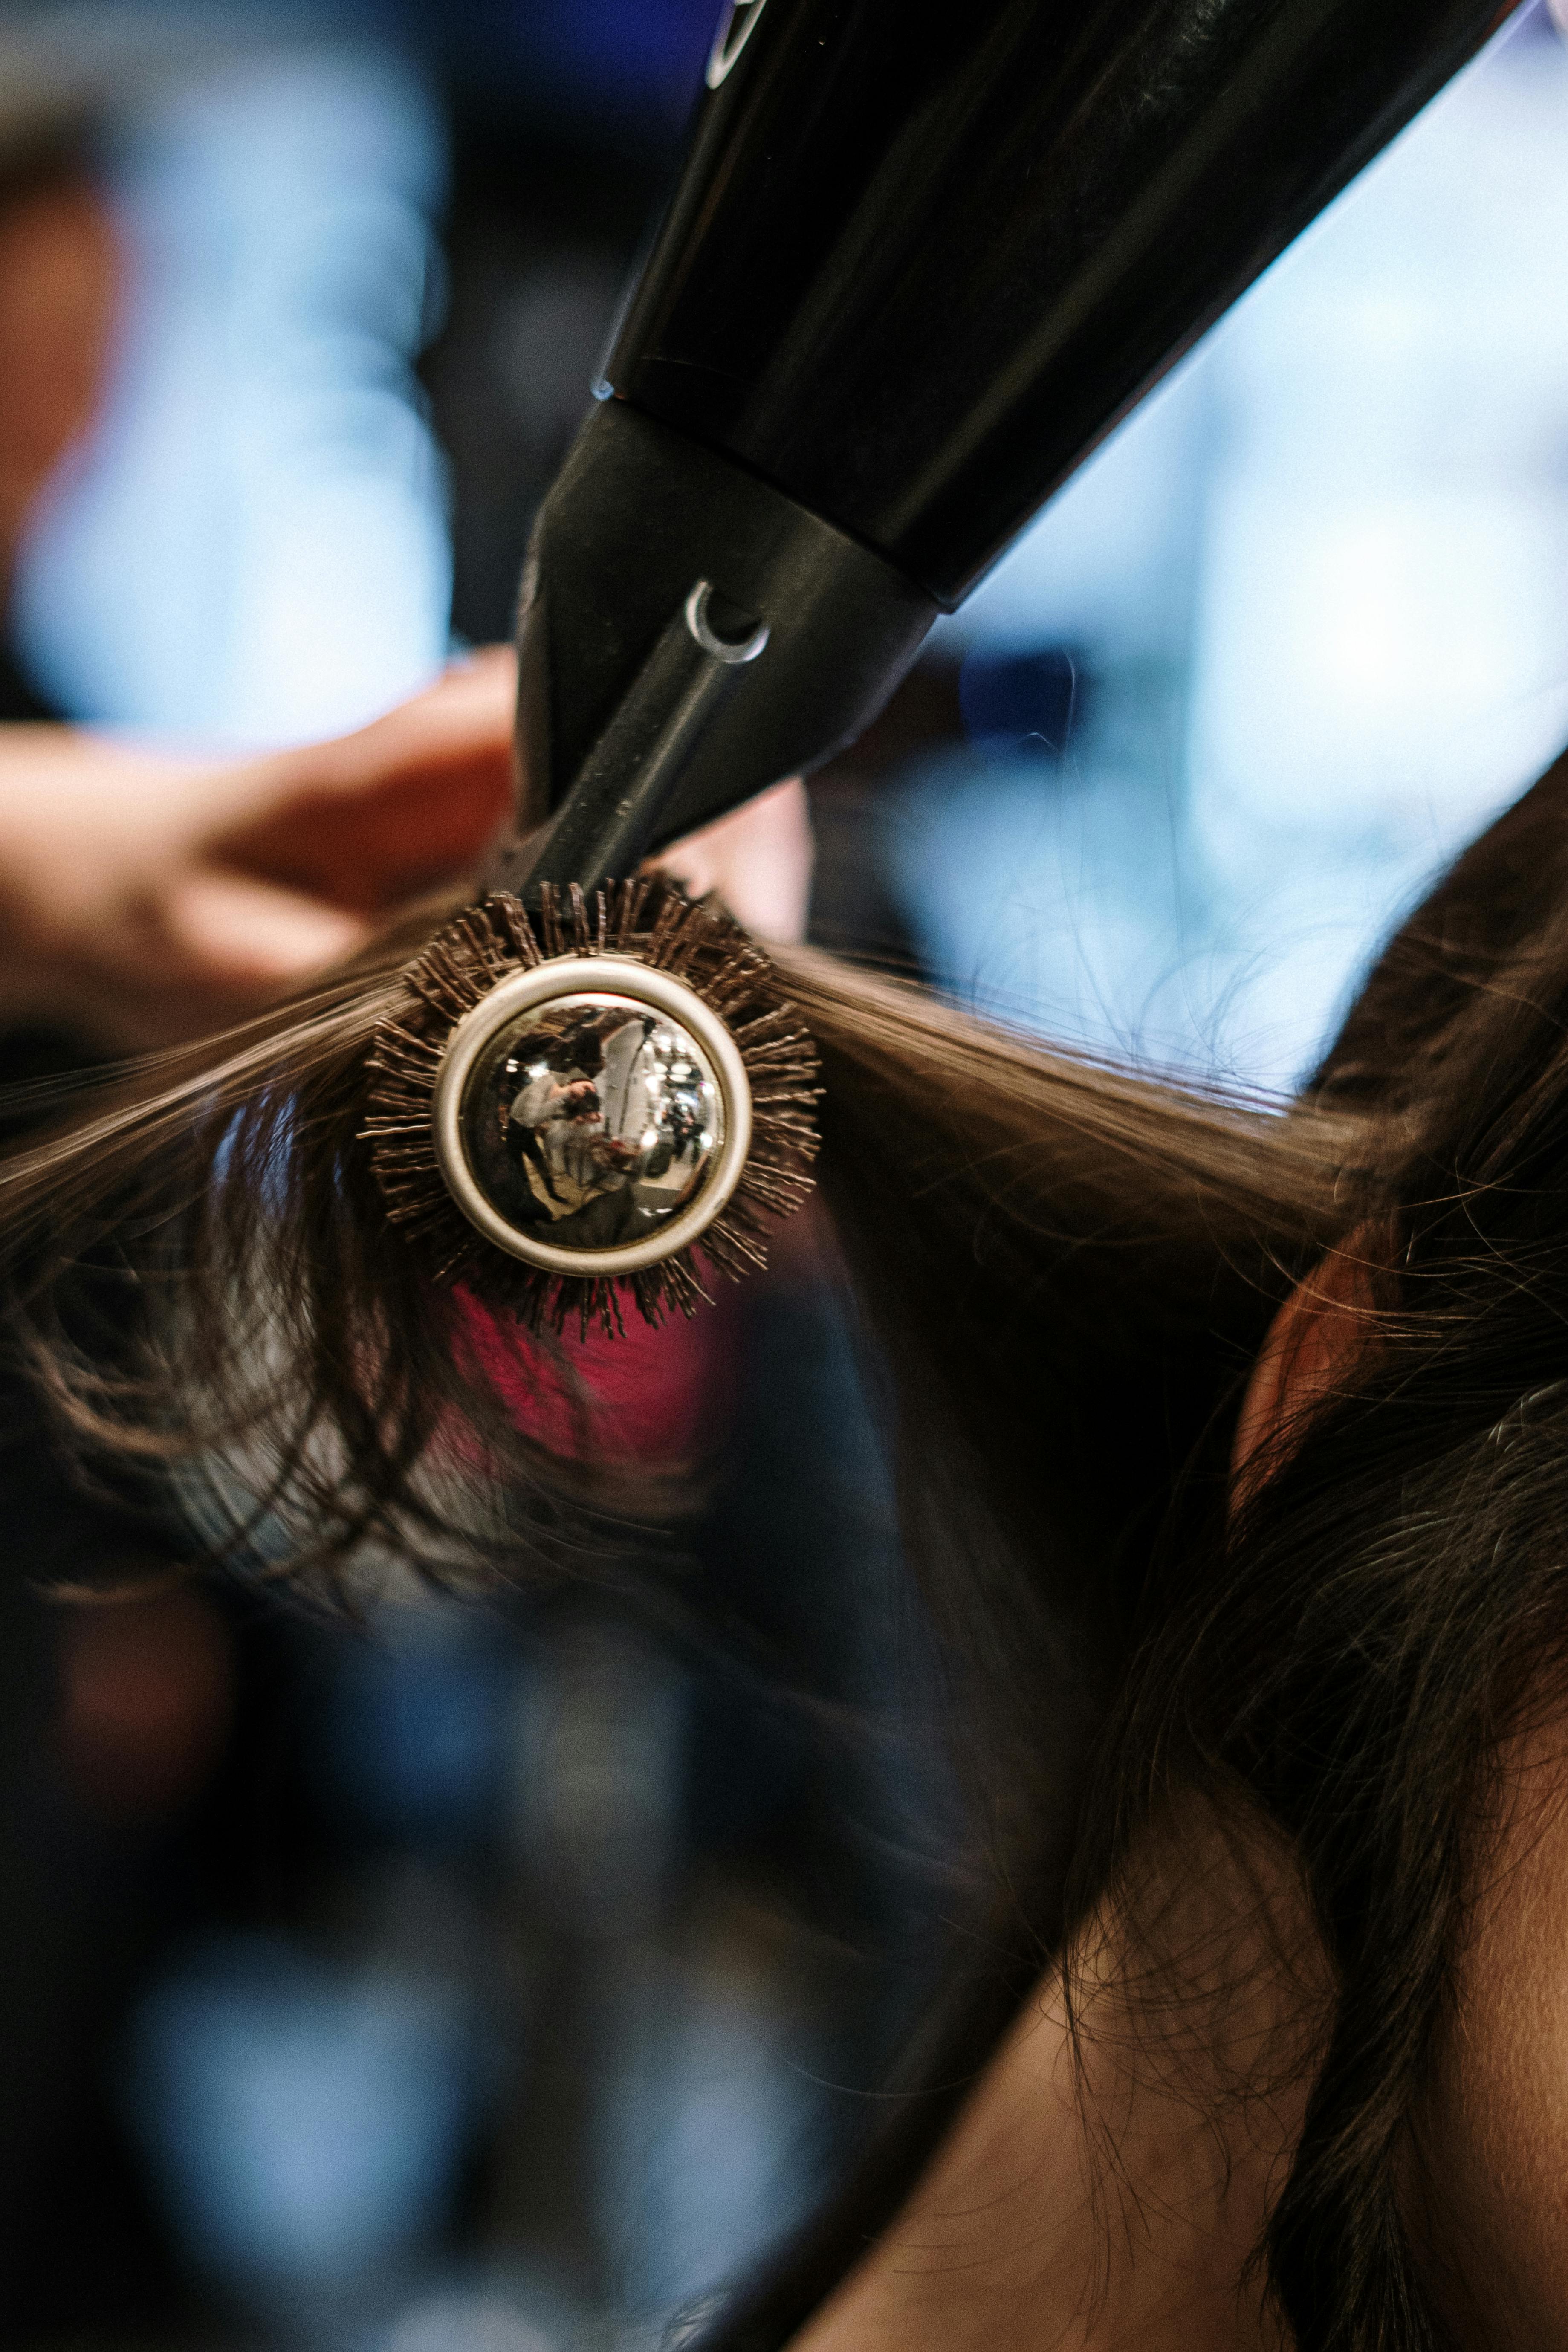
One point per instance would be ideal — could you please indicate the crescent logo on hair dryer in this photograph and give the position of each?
(919, 261)
(736, 26)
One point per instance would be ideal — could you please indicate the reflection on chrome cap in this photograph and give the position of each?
(591, 1128)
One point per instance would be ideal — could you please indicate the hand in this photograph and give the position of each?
(757, 859)
(146, 898)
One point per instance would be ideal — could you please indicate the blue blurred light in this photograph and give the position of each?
(478, 2320)
(1321, 585)
(303, 2123)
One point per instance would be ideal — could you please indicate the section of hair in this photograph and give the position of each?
(1069, 1270)
(1013, 1211)
(1347, 1657)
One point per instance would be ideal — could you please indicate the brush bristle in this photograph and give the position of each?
(699, 944)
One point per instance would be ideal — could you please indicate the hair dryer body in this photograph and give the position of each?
(919, 261)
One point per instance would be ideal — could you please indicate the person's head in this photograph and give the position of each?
(1318, 1571)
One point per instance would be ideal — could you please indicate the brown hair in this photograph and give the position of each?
(1069, 1270)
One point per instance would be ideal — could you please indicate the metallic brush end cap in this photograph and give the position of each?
(592, 1115)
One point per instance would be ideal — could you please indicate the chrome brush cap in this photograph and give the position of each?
(592, 1115)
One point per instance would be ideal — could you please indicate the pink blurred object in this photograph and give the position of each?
(647, 1396)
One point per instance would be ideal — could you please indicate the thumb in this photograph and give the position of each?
(242, 935)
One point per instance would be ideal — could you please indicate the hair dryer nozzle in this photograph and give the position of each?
(920, 259)
(648, 706)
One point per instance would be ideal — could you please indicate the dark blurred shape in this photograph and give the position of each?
(566, 120)
(633, 65)
(103, 1760)
(408, 1746)
(1025, 700)
(59, 290)
(541, 234)
(602, 1802)
(147, 1700)
(59, 285)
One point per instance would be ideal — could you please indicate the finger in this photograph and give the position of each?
(398, 835)
(164, 967)
(407, 803)
(468, 712)
(758, 858)
(239, 939)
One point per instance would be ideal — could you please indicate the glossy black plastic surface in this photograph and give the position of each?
(623, 792)
(925, 253)
(637, 517)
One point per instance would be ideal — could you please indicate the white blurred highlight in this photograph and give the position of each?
(255, 550)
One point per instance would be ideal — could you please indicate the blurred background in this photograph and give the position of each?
(503, 1973)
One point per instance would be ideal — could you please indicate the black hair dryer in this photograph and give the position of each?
(920, 260)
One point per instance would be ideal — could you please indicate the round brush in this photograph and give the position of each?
(590, 1103)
